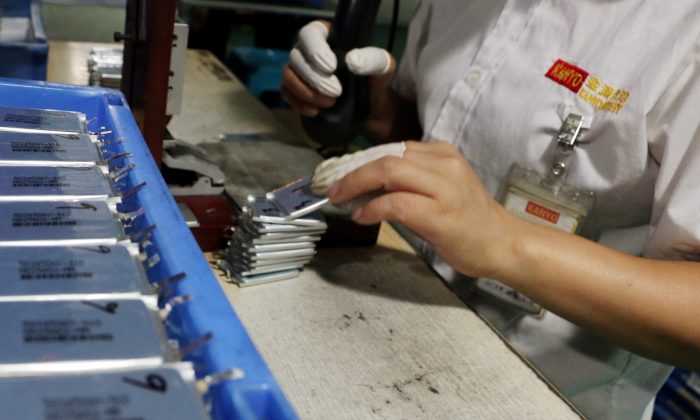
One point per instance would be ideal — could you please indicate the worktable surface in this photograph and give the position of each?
(365, 332)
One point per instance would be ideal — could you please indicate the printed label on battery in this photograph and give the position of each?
(95, 407)
(133, 394)
(23, 119)
(64, 330)
(29, 183)
(40, 182)
(33, 119)
(36, 147)
(45, 335)
(58, 218)
(85, 223)
(53, 270)
(44, 149)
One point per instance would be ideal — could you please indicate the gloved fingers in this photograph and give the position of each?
(333, 170)
(312, 42)
(327, 84)
(368, 61)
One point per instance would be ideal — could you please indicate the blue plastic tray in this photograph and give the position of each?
(257, 395)
(25, 59)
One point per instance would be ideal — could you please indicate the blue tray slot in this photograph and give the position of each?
(257, 395)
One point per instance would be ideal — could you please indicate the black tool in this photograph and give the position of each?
(352, 28)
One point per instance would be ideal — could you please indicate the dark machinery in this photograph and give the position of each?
(352, 28)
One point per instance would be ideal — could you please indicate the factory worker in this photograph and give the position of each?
(535, 115)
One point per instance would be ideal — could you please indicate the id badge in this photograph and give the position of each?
(545, 200)
(528, 197)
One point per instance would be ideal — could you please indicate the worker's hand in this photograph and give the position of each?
(332, 170)
(432, 191)
(308, 82)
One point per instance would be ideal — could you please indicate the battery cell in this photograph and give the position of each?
(262, 210)
(282, 238)
(40, 149)
(68, 223)
(278, 255)
(269, 268)
(295, 200)
(33, 120)
(243, 280)
(27, 183)
(72, 336)
(252, 248)
(99, 272)
(283, 228)
(130, 394)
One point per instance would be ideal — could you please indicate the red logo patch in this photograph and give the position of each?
(567, 75)
(542, 212)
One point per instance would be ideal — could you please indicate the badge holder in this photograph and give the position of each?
(546, 200)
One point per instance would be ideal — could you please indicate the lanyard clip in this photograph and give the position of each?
(570, 132)
(568, 136)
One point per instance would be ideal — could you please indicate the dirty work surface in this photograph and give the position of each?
(371, 333)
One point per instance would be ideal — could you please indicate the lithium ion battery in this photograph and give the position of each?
(63, 273)
(33, 120)
(74, 336)
(129, 394)
(250, 265)
(243, 280)
(67, 223)
(251, 271)
(40, 149)
(260, 209)
(28, 183)
(282, 228)
(294, 200)
(251, 248)
(278, 255)
(280, 238)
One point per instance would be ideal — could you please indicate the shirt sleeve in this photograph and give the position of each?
(674, 141)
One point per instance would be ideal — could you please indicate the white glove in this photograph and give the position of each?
(333, 170)
(314, 61)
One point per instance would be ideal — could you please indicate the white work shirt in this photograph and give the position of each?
(478, 72)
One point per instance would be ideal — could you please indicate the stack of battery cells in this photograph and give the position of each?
(105, 67)
(276, 235)
(83, 334)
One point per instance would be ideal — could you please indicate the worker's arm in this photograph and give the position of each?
(648, 306)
